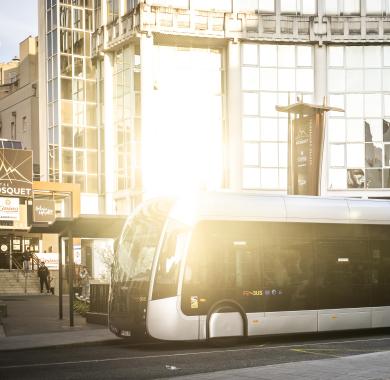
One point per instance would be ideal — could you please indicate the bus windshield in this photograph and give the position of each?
(137, 248)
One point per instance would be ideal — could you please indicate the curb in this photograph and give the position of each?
(60, 345)
(57, 339)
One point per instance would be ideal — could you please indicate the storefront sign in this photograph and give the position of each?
(44, 210)
(16, 172)
(9, 208)
(50, 259)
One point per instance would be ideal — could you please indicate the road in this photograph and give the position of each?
(123, 360)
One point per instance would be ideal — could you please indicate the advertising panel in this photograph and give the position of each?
(306, 146)
(16, 172)
(50, 259)
(9, 208)
(43, 210)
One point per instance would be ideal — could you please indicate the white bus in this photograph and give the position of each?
(231, 265)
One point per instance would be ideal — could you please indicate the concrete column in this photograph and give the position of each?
(233, 113)
(42, 90)
(147, 118)
(320, 73)
(320, 91)
(109, 138)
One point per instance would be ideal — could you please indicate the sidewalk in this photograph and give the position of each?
(359, 367)
(33, 322)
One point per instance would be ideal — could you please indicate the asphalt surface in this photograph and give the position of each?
(123, 360)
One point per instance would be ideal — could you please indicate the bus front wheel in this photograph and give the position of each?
(226, 324)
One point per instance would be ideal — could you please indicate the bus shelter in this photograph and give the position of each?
(84, 226)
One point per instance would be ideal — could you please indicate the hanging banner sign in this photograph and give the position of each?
(9, 209)
(44, 210)
(16, 172)
(305, 146)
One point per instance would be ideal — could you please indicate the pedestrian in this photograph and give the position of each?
(43, 274)
(84, 282)
(26, 257)
(52, 284)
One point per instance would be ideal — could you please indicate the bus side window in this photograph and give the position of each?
(169, 264)
(380, 253)
(344, 273)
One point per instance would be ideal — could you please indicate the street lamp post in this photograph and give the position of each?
(71, 272)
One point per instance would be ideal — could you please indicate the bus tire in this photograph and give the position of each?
(226, 324)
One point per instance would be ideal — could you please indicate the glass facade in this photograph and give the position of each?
(71, 94)
(359, 139)
(52, 89)
(126, 118)
(187, 96)
(270, 75)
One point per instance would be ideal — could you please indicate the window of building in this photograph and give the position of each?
(342, 7)
(88, 20)
(270, 75)
(24, 124)
(66, 41)
(374, 7)
(48, 20)
(65, 17)
(264, 6)
(78, 18)
(13, 130)
(66, 65)
(98, 13)
(218, 5)
(49, 45)
(67, 161)
(78, 43)
(298, 6)
(131, 4)
(357, 82)
(112, 10)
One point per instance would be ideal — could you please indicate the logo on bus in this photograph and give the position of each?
(267, 292)
(248, 293)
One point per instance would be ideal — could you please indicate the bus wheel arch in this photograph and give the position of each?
(236, 315)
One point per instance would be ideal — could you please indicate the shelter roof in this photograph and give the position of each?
(84, 226)
(307, 108)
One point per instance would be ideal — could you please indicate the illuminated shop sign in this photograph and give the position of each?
(16, 172)
(9, 209)
(44, 210)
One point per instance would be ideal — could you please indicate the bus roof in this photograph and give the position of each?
(279, 208)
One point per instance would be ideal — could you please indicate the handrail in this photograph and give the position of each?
(19, 269)
(35, 260)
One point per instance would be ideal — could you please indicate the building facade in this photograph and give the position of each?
(68, 106)
(19, 101)
(165, 96)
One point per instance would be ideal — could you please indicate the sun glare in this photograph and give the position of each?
(183, 144)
